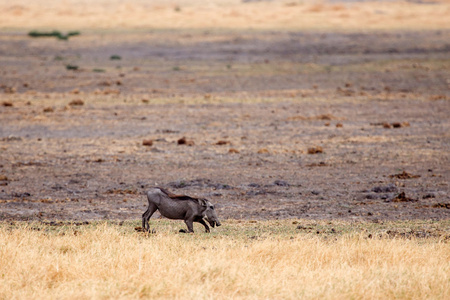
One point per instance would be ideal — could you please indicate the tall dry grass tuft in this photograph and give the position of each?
(110, 261)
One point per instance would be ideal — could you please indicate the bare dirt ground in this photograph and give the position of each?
(276, 124)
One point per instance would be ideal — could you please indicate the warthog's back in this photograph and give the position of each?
(158, 190)
(170, 205)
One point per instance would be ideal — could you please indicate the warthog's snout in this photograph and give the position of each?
(211, 216)
(214, 223)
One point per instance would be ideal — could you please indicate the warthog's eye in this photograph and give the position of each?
(212, 207)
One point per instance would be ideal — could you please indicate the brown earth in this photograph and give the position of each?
(276, 124)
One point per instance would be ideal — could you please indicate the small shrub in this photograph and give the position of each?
(35, 33)
(54, 33)
(73, 33)
(71, 67)
(115, 57)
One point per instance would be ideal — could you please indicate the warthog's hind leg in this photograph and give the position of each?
(147, 215)
(190, 225)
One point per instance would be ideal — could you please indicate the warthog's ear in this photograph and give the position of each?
(202, 202)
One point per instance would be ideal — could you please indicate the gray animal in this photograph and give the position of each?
(179, 207)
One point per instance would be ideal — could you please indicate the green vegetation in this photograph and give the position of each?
(71, 67)
(54, 33)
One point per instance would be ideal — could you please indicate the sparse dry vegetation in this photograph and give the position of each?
(288, 259)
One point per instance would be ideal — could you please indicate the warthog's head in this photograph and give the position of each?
(210, 213)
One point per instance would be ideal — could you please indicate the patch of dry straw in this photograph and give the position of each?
(106, 262)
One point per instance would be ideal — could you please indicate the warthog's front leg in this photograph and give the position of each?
(201, 221)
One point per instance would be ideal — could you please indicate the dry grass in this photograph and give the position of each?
(231, 14)
(239, 260)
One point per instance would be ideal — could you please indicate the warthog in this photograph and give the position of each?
(179, 207)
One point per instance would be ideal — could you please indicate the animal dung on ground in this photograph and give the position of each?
(263, 151)
(96, 160)
(76, 102)
(442, 205)
(184, 141)
(126, 191)
(399, 125)
(404, 175)
(319, 164)
(391, 125)
(315, 150)
(281, 183)
(385, 189)
(147, 143)
(105, 83)
(48, 109)
(222, 142)
(437, 97)
(323, 117)
(345, 92)
(7, 104)
(402, 198)
(339, 125)
(232, 150)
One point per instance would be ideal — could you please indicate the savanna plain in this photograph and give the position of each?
(320, 131)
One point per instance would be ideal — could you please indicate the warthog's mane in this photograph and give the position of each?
(177, 197)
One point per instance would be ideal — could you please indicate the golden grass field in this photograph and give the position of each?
(288, 259)
(227, 14)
